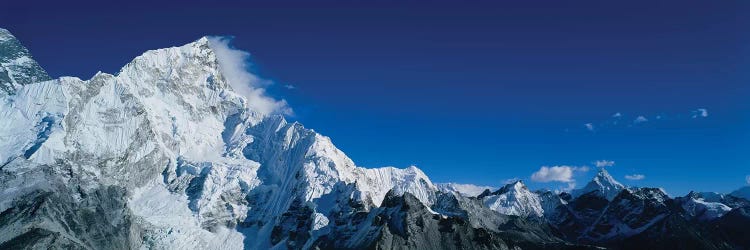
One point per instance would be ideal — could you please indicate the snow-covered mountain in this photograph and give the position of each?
(514, 199)
(704, 205)
(630, 213)
(469, 190)
(17, 68)
(178, 151)
(602, 184)
(189, 160)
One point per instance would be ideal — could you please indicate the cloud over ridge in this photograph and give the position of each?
(234, 64)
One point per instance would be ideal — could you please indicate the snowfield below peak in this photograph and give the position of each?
(468, 190)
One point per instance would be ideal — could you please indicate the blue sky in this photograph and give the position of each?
(471, 92)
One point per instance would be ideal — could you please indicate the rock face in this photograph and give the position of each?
(16, 66)
(603, 185)
(706, 206)
(468, 190)
(514, 199)
(166, 154)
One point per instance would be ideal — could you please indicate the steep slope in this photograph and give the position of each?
(733, 228)
(166, 154)
(169, 154)
(468, 190)
(630, 213)
(17, 68)
(704, 205)
(514, 199)
(403, 222)
(603, 184)
(556, 209)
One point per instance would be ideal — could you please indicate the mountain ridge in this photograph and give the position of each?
(165, 154)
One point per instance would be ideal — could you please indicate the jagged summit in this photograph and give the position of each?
(170, 153)
(603, 183)
(173, 142)
(516, 186)
(17, 67)
(514, 199)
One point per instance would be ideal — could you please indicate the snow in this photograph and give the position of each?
(467, 190)
(707, 210)
(378, 181)
(170, 223)
(21, 116)
(5, 35)
(515, 199)
(603, 183)
(195, 157)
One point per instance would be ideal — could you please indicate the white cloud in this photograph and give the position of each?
(581, 169)
(604, 163)
(640, 119)
(556, 173)
(234, 65)
(747, 179)
(699, 113)
(289, 86)
(635, 177)
(620, 120)
(589, 126)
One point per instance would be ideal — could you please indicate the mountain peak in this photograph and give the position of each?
(4, 34)
(16, 66)
(517, 185)
(603, 183)
(514, 199)
(604, 177)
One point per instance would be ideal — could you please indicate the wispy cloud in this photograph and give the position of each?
(234, 65)
(289, 86)
(621, 120)
(635, 177)
(589, 126)
(604, 163)
(640, 119)
(700, 113)
(747, 179)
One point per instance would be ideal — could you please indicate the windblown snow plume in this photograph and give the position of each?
(234, 64)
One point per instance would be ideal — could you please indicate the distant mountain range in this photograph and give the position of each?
(167, 155)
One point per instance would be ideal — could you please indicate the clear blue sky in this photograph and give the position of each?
(470, 91)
